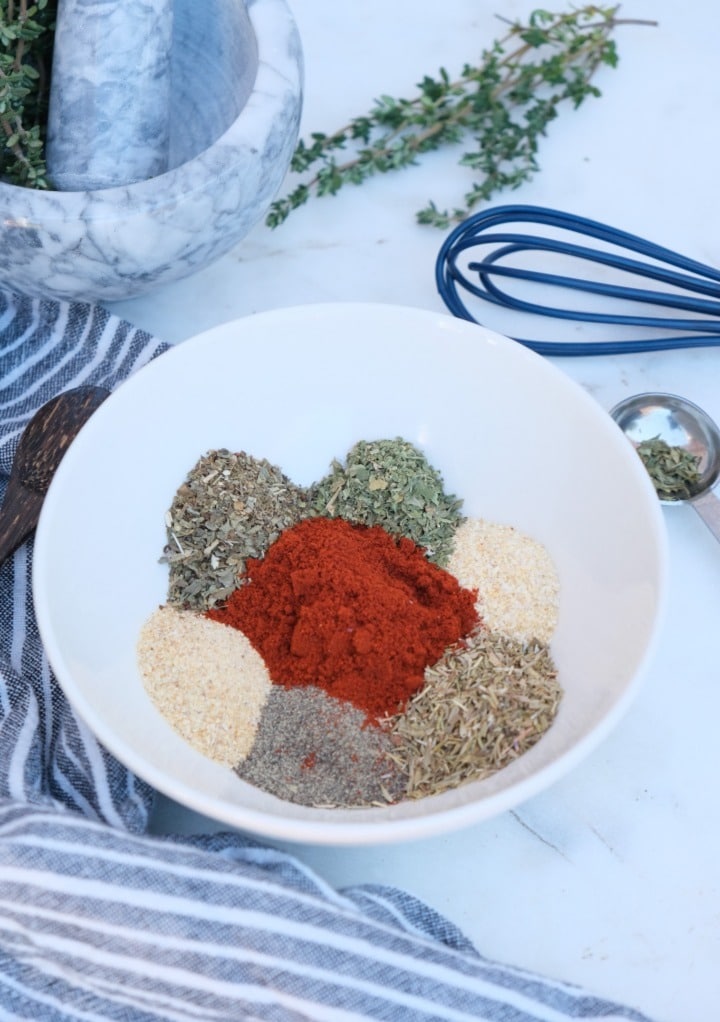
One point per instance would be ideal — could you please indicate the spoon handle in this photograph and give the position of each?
(708, 507)
(18, 516)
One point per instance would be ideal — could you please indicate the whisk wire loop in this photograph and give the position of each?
(481, 279)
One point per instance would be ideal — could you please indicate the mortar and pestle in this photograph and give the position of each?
(170, 130)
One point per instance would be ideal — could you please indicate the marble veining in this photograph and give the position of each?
(233, 128)
(224, 49)
(109, 117)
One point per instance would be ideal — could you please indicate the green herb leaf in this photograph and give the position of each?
(674, 471)
(26, 41)
(391, 483)
(503, 105)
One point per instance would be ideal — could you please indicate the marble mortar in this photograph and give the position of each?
(235, 105)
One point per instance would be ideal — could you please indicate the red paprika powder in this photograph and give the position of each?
(350, 609)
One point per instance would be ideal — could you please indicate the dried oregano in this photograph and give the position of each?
(230, 507)
(392, 484)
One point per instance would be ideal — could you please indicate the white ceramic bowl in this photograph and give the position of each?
(235, 112)
(517, 439)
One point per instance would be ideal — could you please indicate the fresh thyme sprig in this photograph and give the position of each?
(505, 104)
(26, 39)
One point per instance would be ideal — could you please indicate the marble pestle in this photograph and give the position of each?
(109, 113)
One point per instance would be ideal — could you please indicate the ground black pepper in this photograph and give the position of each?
(315, 750)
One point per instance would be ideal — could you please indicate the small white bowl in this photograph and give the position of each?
(519, 441)
(236, 101)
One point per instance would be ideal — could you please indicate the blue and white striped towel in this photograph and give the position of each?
(101, 922)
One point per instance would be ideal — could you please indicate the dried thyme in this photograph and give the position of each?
(230, 507)
(482, 705)
(392, 484)
(674, 471)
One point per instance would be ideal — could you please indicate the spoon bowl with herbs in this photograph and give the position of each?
(680, 446)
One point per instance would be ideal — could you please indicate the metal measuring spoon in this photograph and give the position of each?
(42, 446)
(680, 423)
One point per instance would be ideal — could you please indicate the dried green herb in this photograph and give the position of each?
(391, 483)
(229, 508)
(26, 42)
(503, 105)
(485, 703)
(674, 470)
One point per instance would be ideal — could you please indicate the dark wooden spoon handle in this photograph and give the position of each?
(51, 431)
(18, 516)
(41, 449)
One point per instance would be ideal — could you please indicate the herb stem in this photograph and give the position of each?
(505, 104)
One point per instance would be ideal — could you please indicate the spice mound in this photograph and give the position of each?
(350, 609)
(230, 507)
(482, 705)
(357, 642)
(207, 680)
(391, 483)
(315, 750)
(514, 577)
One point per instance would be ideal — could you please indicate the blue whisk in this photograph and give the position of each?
(482, 278)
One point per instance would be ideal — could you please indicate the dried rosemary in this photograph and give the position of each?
(482, 705)
(674, 470)
(392, 484)
(230, 507)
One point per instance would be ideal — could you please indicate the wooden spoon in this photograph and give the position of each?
(41, 449)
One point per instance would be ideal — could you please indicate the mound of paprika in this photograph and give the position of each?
(350, 609)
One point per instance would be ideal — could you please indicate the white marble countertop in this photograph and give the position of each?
(612, 877)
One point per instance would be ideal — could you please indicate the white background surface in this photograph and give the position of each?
(612, 878)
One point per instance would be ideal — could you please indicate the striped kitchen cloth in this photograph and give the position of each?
(98, 920)
(46, 754)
